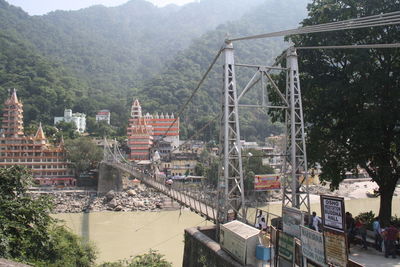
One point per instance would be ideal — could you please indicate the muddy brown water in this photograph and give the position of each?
(119, 235)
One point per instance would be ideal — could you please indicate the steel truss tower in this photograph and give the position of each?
(295, 182)
(230, 184)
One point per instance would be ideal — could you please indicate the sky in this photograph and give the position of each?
(40, 7)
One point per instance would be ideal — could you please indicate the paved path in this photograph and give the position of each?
(372, 258)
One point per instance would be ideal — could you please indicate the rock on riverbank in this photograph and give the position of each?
(139, 198)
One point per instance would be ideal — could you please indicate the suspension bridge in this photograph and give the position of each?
(227, 201)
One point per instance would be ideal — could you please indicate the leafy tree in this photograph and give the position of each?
(67, 129)
(151, 259)
(83, 153)
(252, 165)
(27, 231)
(351, 99)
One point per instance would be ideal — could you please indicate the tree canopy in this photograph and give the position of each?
(351, 96)
(83, 153)
(27, 231)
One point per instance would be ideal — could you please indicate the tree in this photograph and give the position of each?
(67, 129)
(83, 153)
(351, 97)
(27, 231)
(252, 165)
(151, 259)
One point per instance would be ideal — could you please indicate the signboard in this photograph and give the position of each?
(312, 245)
(267, 182)
(335, 248)
(333, 214)
(286, 246)
(292, 219)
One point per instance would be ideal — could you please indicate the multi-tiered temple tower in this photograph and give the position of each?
(47, 162)
(142, 130)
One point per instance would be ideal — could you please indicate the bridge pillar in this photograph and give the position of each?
(110, 178)
(230, 184)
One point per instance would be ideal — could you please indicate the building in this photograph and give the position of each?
(103, 115)
(47, 162)
(79, 119)
(181, 164)
(143, 130)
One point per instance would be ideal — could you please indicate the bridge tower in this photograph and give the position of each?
(295, 175)
(230, 184)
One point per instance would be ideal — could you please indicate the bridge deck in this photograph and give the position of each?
(184, 198)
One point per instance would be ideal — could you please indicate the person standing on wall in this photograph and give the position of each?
(316, 221)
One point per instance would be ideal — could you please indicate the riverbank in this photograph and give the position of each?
(143, 198)
(139, 198)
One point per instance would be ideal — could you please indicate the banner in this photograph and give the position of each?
(286, 246)
(312, 245)
(335, 248)
(292, 219)
(333, 214)
(267, 182)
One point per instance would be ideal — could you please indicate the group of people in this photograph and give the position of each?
(385, 237)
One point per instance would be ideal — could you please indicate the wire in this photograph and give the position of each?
(194, 91)
(369, 21)
(197, 133)
(375, 46)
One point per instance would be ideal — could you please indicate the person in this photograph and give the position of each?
(378, 234)
(362, 231)
(258, 219)
(390, 234)
(349, 229)
(263, 224)
(316, 220)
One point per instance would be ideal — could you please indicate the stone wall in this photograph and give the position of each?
(202, 251)
(110, 178)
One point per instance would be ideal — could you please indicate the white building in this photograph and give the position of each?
(79, 119)
(103, 115)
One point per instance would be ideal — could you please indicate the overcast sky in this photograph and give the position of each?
(40, 7)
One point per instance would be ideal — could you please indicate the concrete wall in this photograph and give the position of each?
(202, 251)
(110, 178)
(8, 263)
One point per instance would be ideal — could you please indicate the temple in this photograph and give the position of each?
(143, 130)
(47, 162)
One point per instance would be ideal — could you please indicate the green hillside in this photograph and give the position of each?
(102, 57)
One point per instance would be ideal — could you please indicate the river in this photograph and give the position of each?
(119, 235)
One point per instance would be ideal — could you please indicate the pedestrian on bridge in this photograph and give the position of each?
(390, 235)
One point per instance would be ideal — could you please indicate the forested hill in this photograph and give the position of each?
(118, 47)
(175, 84)
(102, 57)
(44, 87)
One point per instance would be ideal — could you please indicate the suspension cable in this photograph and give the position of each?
(364, 22)
(197, 132)
(194, 91)
(363, 46)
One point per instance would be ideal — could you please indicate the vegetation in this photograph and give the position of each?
(350, 97)
(27, 232)
(66, 60)
(151, 259)
(83, 153)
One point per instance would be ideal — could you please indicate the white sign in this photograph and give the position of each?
(333, 212)
(292, 219)
(312, 245)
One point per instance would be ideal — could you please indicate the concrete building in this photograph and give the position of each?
(182, 164)
(143, 130)
(79, 119)
(47, 162)
(103, 115)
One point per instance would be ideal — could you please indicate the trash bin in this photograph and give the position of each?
(263, 253)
